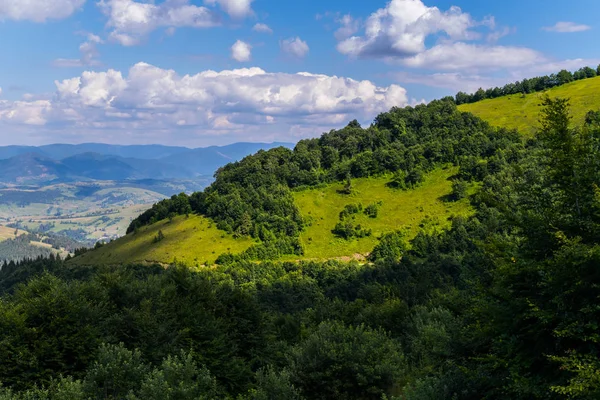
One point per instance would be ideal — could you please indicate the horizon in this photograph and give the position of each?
(207, 73)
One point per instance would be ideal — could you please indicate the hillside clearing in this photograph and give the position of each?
(521, 112)
(399, 209)
(192, 241)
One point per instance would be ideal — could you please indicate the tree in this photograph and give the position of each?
(459, 190)
(340, 362)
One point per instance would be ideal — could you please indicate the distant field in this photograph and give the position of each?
(521, 112)
(9, 233)
(399, 210)
(197, 241)
(193, 241)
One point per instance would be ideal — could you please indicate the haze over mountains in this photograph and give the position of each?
(59, 163)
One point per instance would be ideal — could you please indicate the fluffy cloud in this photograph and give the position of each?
(295, 47)
(151, 104)
(263, 28)
(399, 33)
(88, 51)
(567, 27)
(131, 20)
(38, 10)
(400, 29)
(235, 8)
(241, 51)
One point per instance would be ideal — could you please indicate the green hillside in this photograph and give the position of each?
(192, 241)
(399, 210)
(521, 112)
(197, 241)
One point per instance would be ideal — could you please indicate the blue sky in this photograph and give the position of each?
(203, 72)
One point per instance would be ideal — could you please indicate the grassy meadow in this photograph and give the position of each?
(521, 112)
(192, 241)
(410, 210)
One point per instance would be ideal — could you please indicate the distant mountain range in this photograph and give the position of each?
(58, 163)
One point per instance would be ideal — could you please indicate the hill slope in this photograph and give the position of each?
(196, 240)
(521, 112)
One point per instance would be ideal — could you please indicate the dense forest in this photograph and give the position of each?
(526, 86)
(503, 305)
(20, 248)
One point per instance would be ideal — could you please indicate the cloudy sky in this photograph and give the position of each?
(203, 72)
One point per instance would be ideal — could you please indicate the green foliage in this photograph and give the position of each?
(339, 362)
(391, 247)
(459, 190)
(159, 237)
(372, 210)
(348, 230)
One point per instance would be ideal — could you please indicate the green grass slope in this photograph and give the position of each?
(196, 240)
(521, 112)
(411, 210)
(192, 241)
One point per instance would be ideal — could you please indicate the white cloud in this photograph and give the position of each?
(399, 33)
(151, 104)
(460, 55)
(241, 51)
(498, 34)
(450, 80)
(38, 10)
(235, 8)
(295, 47)
(263, 28)
(349, 26)
(88, 51)
(131, 21)
(400, 29)
(567, 27)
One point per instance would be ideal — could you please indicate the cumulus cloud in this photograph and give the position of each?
(295, 47)
(149, 103)
(400, 31)
(241, 51)
(235, 8)
(131, 21)
(567, 27)
(38, 10)
(88, 51)
(262, 28)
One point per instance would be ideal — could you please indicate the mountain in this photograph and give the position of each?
(66, 163)
(33, 168)
(204, 161)
(521, 111)
(146, 152)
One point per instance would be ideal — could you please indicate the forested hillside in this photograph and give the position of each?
(255, 196)
(501, 305)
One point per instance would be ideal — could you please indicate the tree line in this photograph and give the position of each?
(526, 86)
